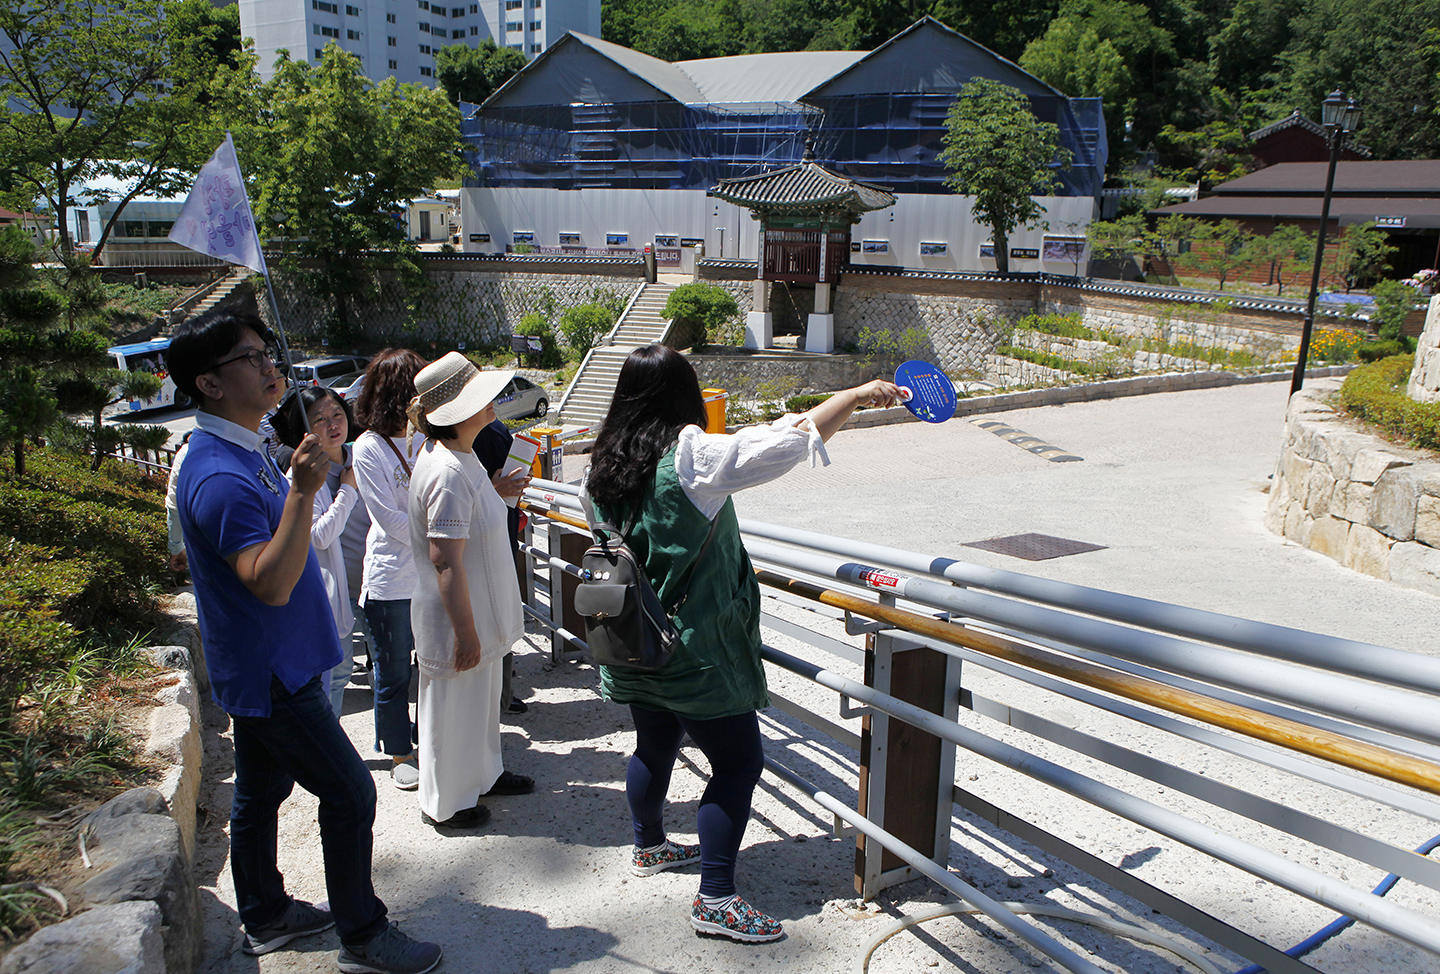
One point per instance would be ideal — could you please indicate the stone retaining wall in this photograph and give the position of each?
(1425, 376)
(1372, 506)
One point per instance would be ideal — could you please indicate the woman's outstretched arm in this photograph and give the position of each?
(831, 414)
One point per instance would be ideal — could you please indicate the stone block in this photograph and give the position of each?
(1318, 490)
(174, 739)
(1367, 551)
(1415, 565)
(1370, 464)
(1393, 505)
(1277, 507)
(1340, 447)
(1328, 537)
(1296, 470)
(123, 938)
(1356, 503)
(1298, 525)
(1427, 520)
(138, 857)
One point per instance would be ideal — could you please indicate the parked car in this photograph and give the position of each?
(333, 373)
(521, 398)
(351, 392)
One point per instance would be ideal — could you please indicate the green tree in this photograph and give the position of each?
(474, 73)
(710, 307)
(87, 89)
(1000, 154)
(1074, 58)
(1226, 249)
(336, 157)
(584, 325)
(1362, 253)
(1291, 253)
(1118, 239)
(693, 29)
(1394, 300)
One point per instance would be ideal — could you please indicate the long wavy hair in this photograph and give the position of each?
(656, 396)
(389, 387)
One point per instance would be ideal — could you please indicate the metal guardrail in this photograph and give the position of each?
(1325, 718)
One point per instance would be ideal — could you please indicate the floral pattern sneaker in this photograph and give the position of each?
(673, 854)
(738, 921)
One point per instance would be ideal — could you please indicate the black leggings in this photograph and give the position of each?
(732, 746)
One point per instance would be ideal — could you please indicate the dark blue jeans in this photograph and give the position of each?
(390, 626)
(732, 746)
(301, 742)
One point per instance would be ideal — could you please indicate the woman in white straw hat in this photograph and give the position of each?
(466, 611)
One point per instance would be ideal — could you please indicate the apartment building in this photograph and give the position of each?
(399, 38)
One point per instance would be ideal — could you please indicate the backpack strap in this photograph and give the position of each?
(597, 525)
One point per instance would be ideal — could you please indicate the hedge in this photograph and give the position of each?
(1376, 392)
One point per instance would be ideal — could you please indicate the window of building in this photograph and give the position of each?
(457, 11)
(427, 72)
(389, 18)
(319, 54)
(438, 30)
(161, 228)
(474, 31)
(323, 7)
(534, 4)
(394, 65)
(534, 48)
(517, 47)
(424, 4)
(513, 4)
(390, 41)
(424, 48)
(352, 11)
(353, 35)
(514, 26)
(327, 31)
(534, 25)
(474, 8)
(455, 35)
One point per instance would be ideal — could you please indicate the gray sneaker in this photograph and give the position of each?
(300, 919)
(392, 952)
(406, 774)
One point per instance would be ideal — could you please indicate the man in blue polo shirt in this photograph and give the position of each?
(269, 635)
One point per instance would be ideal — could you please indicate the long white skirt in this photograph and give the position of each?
(459, 722)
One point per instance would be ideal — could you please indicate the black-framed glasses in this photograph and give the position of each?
(257, 357)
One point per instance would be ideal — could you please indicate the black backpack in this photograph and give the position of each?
(625, 622)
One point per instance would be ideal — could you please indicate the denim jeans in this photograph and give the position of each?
(301, 743)
(390, 627)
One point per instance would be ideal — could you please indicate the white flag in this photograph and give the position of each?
(216, 219)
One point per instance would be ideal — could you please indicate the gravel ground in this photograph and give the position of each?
(1172, 485)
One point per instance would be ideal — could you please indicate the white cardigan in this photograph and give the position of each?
(327, 523)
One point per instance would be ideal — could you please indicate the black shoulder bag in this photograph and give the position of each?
(625, 622)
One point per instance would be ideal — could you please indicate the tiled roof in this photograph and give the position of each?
(803, 187)
(1296, 120)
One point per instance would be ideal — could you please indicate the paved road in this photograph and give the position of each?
(1173, 487)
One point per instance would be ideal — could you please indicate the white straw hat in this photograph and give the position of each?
(451, 389)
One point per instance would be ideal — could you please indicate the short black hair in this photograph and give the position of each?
(292, 422)
(200, 342)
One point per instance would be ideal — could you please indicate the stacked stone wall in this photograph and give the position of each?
(1425, 376)
(477, 307)
(1371, 506)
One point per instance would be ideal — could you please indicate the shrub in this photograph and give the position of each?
(1394, 300)
(1045, 359)
(804, 403)
(583, 326)
(1064, 326)
(1375, 351)
(536, 325)
(713, 308)
(1376, 392)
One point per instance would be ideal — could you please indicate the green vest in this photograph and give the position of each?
(717, 671)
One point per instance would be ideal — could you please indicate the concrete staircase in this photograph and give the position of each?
(588, 399)
(217, 291)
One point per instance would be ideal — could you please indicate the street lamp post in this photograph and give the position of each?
(1340, 116)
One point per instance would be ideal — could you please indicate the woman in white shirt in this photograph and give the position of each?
(466, 610)
(666, 483)
(384, 457)
(318, 410)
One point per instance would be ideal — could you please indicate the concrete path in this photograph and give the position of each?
(1172, 485)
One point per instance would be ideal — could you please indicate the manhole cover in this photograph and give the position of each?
(1034, 547)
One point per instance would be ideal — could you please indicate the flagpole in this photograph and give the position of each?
(287, 364)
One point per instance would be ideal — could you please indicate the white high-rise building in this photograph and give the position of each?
(399, 38)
